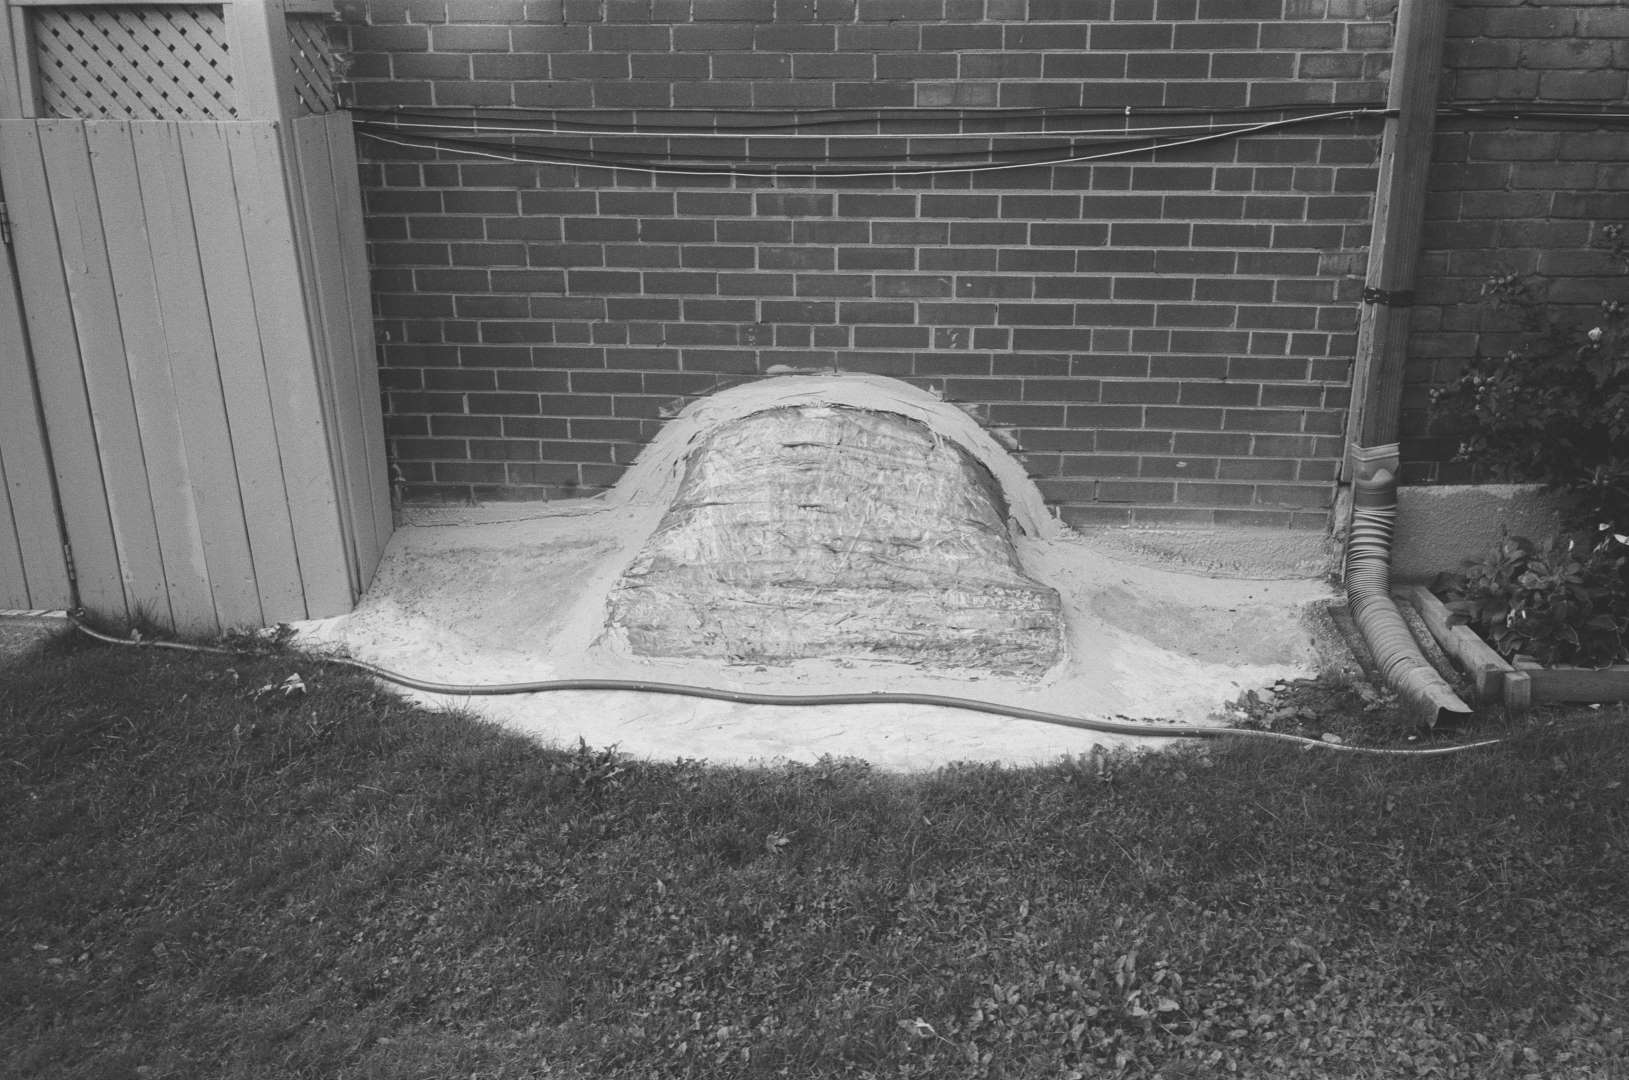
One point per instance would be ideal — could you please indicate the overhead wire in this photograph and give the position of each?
(498, 134)
(800, 119)
(460, 130)
(920, 164)
(407, 120)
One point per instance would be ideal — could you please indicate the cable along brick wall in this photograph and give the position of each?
(1166, 337)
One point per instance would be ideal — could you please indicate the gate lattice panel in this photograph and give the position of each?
(164, 62)
(316, 64)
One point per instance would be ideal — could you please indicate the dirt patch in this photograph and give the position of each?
(1245, 633)
(19, 637)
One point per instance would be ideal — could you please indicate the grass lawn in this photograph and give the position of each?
(207, 877)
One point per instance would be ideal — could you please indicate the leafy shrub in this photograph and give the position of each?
(1555, 409)
(1558, 602)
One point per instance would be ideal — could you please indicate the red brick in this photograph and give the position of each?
(1070, 389)
(1211, 442)
(1294, 495)
(919, 233)
(1097, 465)
(1216, 494)
(526, 379)
(1256, 469)
(1168, 65)
(1607, 85)
(876, 312)
(1177, 468)
(1093, 516)
(1178, 366)
(1185, 417)
(1135, 491)
(1069, 234)
(1153, 288)
(1262, 420)
(1083, 65)
(1057, 287)
(1139, 392)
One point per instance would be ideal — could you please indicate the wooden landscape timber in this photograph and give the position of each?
(1515, 685)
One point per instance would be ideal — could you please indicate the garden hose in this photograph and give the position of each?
(1368, 595)
(748, 697)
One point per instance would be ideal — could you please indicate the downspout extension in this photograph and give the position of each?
(1368, 596)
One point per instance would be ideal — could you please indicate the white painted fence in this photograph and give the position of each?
(186, 349)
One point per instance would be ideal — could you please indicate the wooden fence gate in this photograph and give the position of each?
(189, 403)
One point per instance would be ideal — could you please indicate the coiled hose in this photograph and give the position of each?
(1368, 596)
(748, 697)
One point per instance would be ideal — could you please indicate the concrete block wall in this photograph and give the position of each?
(1523, 197)
(1167, 338)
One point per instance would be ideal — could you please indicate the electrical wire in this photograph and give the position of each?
(524, 120)
(804, 119)
(406, 121)
(515, 153)
(1504, 111)
(749, 697)
(461, 131)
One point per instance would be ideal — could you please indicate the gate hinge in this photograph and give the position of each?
(5, 225)
(73, 571)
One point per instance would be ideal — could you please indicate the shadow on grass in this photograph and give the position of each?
(211, 872)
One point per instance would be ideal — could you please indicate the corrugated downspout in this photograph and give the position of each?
(1368, 596)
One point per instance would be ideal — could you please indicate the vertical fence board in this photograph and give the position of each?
(197, 384)
(297, 409)
(312, 192)
(15, 390)
(147, 351)
(13, 64)
(195, 378)
(359, 307)
(33, 573)
(61, 379)
(206, 167)
(80, 234)
(13, 577)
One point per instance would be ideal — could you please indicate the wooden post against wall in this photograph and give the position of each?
(1394, 239)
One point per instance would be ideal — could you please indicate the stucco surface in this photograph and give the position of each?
(1440, 528)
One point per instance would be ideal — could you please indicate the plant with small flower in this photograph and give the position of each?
(1553, 410)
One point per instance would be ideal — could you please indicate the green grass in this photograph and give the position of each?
(206, 880)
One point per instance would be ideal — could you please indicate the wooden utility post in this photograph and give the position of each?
(1394, 240)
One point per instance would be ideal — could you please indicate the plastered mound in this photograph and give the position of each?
(836, 532)
(519, 592)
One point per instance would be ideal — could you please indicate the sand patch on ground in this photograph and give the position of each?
(517, 592)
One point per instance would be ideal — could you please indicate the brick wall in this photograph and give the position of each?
(1526, 197)
(1167, 338)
